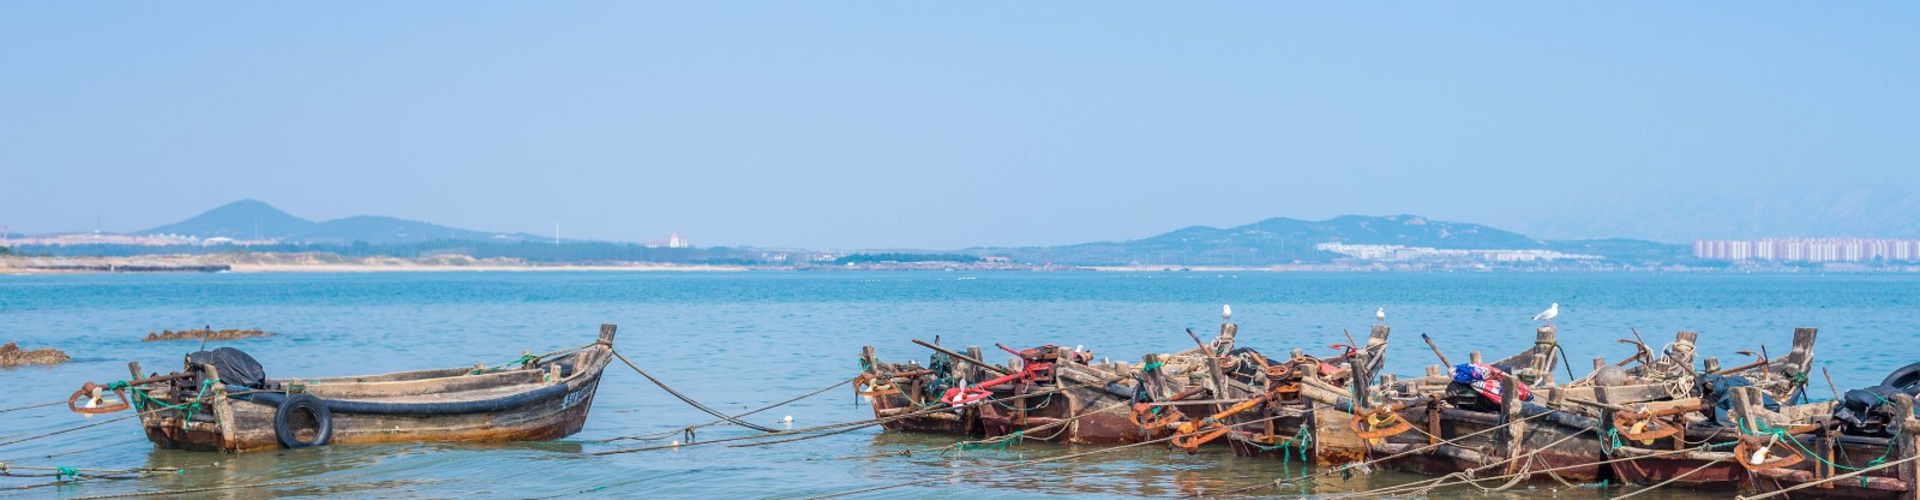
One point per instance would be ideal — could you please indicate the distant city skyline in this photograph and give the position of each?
(946, 126)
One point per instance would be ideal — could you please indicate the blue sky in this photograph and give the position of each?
(940, 125)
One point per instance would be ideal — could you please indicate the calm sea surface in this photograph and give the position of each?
(744, 340)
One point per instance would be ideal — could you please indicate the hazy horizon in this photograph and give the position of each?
(938, 126)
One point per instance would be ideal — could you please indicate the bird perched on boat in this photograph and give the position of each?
(1226, 312)
(1549, 314)
(1380, 315)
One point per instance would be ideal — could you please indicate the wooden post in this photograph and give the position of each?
(1358, 377)
(1744, 399)
(1599, 363)
(1909, 445)
(1800, 361)
(1155, 382)
(1376, 340)
(222, 412)
(606, 333)
(1712, 365)
(1544, 354)
(147, 419)
(1436, 371)
(974, 372)
(1513, 430)
(1473, 357)
(1605, 397)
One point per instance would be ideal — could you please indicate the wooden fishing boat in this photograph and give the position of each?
(221, 400)
(1660, 441)
(1855, 452)
(1428, 430)
(1275, 408)
(1045, 393)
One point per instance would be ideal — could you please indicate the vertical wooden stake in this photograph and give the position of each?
(1544, 354)
(1909, 446)
(1514, 430)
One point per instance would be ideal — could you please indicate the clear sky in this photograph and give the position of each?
(950, 124)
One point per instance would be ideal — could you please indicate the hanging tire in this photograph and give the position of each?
(1906, 379)
(303, 413)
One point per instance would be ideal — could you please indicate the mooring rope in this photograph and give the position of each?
(960, 475)
(1661, 484)
(29, 407)
(1811, 484)
(71, 429)
(1348, 467)
(690, 401)
(995, 443)
(1467, 476)
(688, 429)
(206, 489)
(198, 399)
(842, 425)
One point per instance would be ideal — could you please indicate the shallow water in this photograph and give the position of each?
(742, 340)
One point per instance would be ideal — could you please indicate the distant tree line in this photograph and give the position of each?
(869, 258)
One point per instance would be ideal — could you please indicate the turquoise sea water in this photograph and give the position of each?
(743, 340)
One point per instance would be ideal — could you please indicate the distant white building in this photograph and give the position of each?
(1399, 253)
(673, 241)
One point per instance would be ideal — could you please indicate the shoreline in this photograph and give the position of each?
(327, 263)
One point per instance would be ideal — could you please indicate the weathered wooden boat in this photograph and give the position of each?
(1492, 428)
(1296, 407)
(1660, 440)
(222, 401)
(1866, 447)
(1045, 393)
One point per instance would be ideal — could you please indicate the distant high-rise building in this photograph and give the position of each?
(1809, 250)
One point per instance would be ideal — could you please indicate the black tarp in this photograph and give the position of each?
(236, 367)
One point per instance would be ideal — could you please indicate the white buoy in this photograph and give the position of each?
(1380, 314)
(788, 420)
(1226, 312)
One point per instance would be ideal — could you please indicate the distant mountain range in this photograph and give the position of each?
(252, 219)
(1285, 241)
(1264, 243)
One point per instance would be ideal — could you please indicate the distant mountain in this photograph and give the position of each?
(252, 219)
(1284, 240)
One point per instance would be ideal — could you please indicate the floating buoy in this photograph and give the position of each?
(788, 420)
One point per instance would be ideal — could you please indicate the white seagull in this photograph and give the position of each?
(1549, 314)
(1380, 315)
(1226, 312)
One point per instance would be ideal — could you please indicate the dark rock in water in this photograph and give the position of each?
(12, 355)
(197, 334)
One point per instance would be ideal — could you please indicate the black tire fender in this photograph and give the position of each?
(303, 402)
(1906, 379)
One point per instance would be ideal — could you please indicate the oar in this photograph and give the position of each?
(1436, 350)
